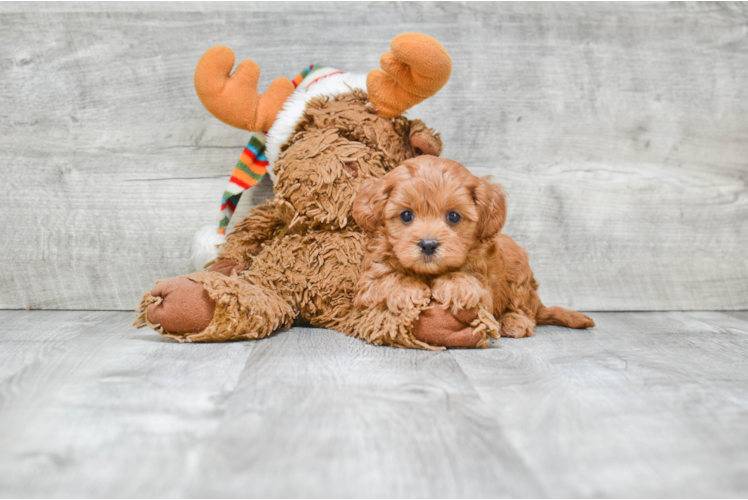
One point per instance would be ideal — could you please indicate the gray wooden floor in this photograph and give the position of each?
(645, 405)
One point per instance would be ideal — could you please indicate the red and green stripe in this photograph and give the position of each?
(248, 172)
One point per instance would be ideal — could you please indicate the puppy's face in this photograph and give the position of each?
(431, 212)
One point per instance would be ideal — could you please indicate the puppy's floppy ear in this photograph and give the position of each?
(491, 202)
(368, 207)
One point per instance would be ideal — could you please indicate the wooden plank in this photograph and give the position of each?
(111, 412)
(29, 337)
(644, 405)
(317, 414)
(573, 8)
(618, 130)
(45, 326)
(77, 256)
(735, 322)
(181, 7)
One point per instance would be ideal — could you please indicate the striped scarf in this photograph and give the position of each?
(249, 171)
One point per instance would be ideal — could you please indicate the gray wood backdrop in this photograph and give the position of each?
(619, 130)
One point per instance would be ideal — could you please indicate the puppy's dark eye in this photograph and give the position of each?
(453, 217)
(418, 151)
(406, 216)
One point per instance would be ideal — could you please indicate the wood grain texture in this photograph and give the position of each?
(27, 339)
(644, 405)
(618, 129)
(336, 417)
(109, 412)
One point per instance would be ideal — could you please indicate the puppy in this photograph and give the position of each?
(435, 234)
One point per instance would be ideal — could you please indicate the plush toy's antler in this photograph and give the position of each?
(234, 99)
(416, 69)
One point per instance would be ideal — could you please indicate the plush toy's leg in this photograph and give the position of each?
(246, 239)
(176, 306)
(439, 326)
(375, 325)
(431, 327)
(240, 310)
(380, 326)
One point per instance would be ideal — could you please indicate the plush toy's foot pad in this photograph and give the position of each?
(438, 326)
(176, 306)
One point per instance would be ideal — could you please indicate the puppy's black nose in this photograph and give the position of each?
(428, 246)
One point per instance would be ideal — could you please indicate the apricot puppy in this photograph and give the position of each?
(435, 234)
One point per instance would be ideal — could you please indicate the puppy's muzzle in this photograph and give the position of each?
(428, 247)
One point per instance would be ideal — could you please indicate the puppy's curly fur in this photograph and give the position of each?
(435, 233)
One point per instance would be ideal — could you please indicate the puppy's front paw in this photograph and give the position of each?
(458, 291)
(516, 326)
(408, 296)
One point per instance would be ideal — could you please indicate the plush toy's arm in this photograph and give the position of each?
(460, 313)
(260, 225)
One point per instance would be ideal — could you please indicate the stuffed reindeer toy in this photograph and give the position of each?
(297, 258)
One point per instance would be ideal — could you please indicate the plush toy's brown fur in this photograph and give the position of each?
(435, 233)
(297, 258)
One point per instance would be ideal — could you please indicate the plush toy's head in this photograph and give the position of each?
(327, 130)
(339, 143)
